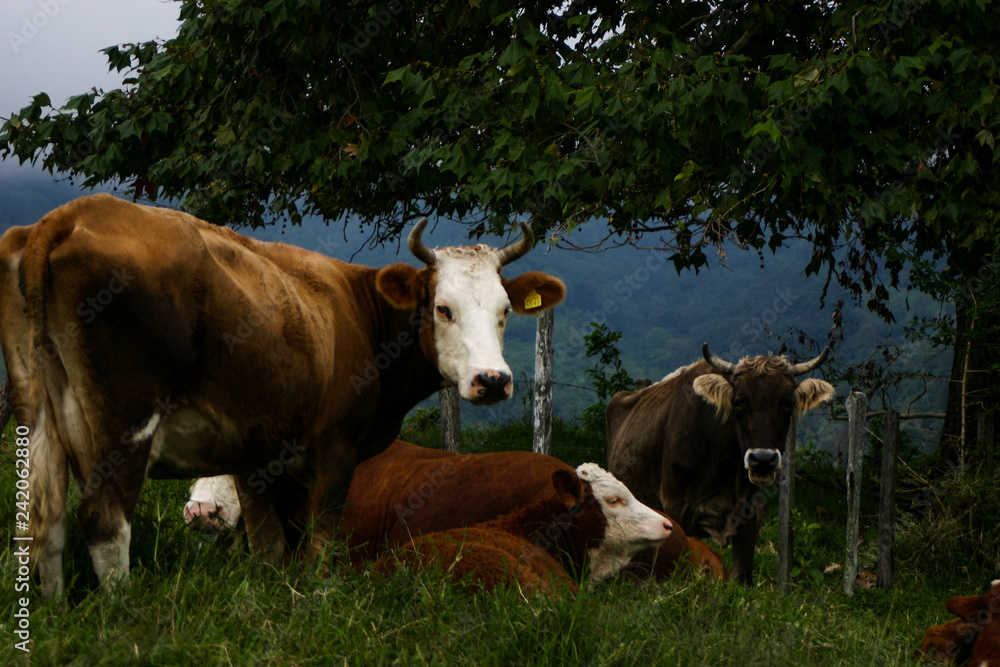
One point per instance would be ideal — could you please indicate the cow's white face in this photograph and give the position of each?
(631, 526)
(466, 304)
(471, 308)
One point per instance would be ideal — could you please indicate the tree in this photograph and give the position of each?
(861, 126)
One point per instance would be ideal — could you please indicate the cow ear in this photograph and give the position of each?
(966, 605)
(569, 488)
(533, 292)
(716, 390)
(811, 393)
(401, 285)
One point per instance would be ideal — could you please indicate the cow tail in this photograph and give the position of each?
(47, 457)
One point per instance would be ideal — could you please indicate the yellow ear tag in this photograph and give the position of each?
(533, 300)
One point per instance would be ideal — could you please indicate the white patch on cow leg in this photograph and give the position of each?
(111, 557)
(147, 430)
(50, 561)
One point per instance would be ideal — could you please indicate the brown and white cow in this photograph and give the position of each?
(702, 440)
(591, 523)
(409, 490)
(142, 341)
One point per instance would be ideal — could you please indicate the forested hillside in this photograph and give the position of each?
(740, 304)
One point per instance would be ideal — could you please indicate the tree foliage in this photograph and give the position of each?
(869, 125)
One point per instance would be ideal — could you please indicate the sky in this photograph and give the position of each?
(54, 46)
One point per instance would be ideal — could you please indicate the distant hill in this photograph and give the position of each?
(664, 317)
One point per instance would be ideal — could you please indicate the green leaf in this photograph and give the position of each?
(768, 126)
(985, 138)
(130, 128)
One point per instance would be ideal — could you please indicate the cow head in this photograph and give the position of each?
(761, 395)
(465, 303)
(630, 526)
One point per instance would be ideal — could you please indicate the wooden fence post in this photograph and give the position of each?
(857, 412)
(543, 383)
(451, 419)
(887, 501)
(984, 437)
(786, 500)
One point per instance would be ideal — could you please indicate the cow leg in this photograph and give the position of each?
(49, 483)
(106, 518)
(110, 556)
(327, 495)
(264, 532)
(744, 542)
(50, 565)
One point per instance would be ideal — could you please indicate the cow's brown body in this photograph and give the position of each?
(684, 444)
(973, 638)
(143, 340)
(587, 522)
(541, 546)
(407, 491)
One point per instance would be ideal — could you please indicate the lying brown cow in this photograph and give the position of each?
(973, 637)
(409, 490)
(592, 522)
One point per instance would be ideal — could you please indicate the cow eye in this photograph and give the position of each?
(444, 311)
(615, 500)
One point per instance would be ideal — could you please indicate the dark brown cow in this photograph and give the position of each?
(408, 491)
(699, 443)
(143, 341)
(590, 523)
(974, 637)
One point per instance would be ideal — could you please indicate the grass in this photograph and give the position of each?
(191, 600)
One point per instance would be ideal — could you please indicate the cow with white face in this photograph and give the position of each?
(141, 341)
(470, 311)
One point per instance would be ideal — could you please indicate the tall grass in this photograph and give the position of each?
(191, 600)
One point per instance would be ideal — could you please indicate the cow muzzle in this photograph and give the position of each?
(491, 386)
(762, 465)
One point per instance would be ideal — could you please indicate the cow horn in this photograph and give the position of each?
(720, 365)
(806, 366)
(417, 247)
(509, 253)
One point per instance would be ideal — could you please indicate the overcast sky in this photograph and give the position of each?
(54, 46)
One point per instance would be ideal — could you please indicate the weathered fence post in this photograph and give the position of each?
(543, 383)
(887, 501)
(984, 437)
(451, 419)
(857, 413)
(786, 500)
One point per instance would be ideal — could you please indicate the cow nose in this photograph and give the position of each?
(492, 384)
(763, 459)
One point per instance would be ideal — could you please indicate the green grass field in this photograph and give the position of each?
(191, 600)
